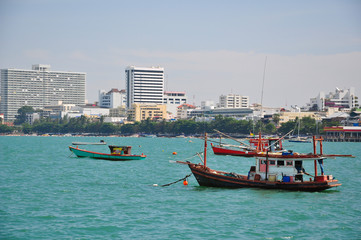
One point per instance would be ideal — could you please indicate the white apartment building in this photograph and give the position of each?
(339, 99)
(173, 100)
(112, 99)
(38, 87)
(144, 85)
(233, 101)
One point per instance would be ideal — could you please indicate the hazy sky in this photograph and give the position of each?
(207, 48)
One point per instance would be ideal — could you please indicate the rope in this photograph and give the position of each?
(191, 157)
(166, 185)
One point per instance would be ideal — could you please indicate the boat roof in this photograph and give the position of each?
(118, 146)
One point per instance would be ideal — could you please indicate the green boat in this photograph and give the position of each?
(117, 153)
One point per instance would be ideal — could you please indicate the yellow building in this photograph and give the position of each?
(291, 116)
(140, 112)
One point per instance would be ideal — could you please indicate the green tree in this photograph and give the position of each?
(276, 118)
(287, 127)
(270, 128)
(6, 129)
(26, 128)
(21, 117)
(108, 128)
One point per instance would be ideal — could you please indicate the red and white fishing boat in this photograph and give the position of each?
(248, 150)
(276, 172)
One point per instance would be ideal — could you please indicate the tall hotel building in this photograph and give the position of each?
(38, 88)
(144, 85)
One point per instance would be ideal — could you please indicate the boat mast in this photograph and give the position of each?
(264, 76)
(205, 150)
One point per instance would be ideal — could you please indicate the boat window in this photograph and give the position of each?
(289, 163)
(263, 162)
(280, 163)
(272, 162)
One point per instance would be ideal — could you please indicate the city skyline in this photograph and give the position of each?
(207, 48)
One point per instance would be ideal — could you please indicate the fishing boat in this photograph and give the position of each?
(117, 153)
(247, 150)
(299, 139)
(270, 173)
(255, 145)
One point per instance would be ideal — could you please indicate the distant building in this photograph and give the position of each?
(233, 101)
(112, 99)
(144, 85)
(343, 134)
(31, 117)
(237, 113)
(292, 116)
(340, 99)
(172, 100)
(183, 111)
(208, 104)
(140, 112)
(38, 87)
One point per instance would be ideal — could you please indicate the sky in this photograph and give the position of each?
(207, 47)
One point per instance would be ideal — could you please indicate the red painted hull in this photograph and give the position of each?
(212, 178)
(226, 151)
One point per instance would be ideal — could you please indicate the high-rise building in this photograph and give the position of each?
(144, 85)
(38, 87)
(233, 101)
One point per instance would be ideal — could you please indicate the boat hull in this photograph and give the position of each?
(211, 178)
(226, 151)
(112, 157)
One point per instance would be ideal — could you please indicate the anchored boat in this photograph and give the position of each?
(247, 150)
(117, 153)
(270, 172)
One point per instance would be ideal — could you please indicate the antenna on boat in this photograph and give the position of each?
(205, 150)
(261, 112)
(264, 76)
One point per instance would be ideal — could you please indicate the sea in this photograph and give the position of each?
(48, 193)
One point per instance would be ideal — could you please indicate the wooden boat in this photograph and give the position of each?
(117, 153)
(255, 145)
(279, 173)
(233, 150)
(300, 140)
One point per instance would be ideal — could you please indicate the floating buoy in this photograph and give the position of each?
(174, 153)
(185, 182)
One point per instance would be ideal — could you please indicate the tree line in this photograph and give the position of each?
(83, 125)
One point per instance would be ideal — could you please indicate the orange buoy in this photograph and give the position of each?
(174, 153)
(185, 182)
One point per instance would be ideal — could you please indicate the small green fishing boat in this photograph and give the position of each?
(117, 153)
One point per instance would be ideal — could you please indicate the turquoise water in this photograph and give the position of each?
(47, 193)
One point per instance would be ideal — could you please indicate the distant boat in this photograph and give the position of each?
(117, 153)
(300, 139)
(247, 150)
(90, 143)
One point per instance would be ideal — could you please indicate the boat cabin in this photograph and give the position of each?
(285, 170)
(120, 150)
